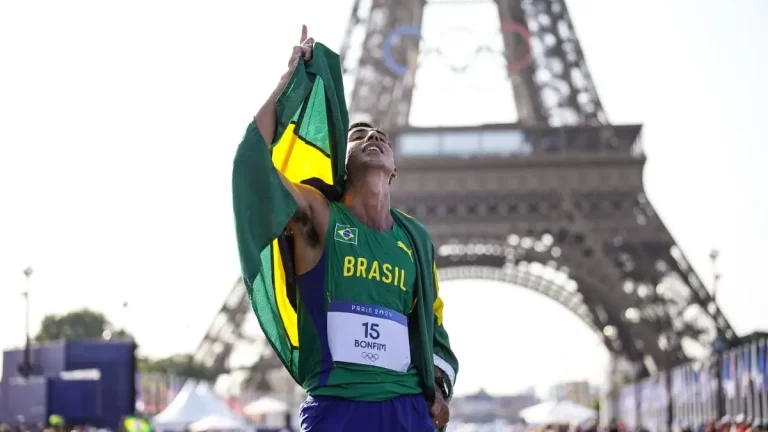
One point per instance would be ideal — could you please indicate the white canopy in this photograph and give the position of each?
(218, 423)
(265, 405)
(194, 402)
(557, 412)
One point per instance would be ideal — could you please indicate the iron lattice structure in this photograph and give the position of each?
(233, 328)
(553, 203)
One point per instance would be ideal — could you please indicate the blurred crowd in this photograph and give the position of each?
(56, 423)
(726, 424)
(47, 428)
(738, 424)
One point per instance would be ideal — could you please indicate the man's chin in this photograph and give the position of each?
(376, 162)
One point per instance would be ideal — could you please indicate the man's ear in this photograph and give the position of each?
(393, 176)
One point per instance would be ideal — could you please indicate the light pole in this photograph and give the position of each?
(715, 273)
(718, 345)
(124, 318)
(26, 367)
(118, 330)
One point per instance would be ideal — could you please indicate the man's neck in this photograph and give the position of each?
(368, 200)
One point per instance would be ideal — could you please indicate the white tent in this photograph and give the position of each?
(218, 423)
(557, 412)
(265, 405)
(194, 402)
(267, 412)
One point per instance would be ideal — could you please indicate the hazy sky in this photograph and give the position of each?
(119, 122)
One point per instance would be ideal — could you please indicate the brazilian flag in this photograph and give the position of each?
(310, 147)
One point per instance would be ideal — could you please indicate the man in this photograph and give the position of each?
(356, 277)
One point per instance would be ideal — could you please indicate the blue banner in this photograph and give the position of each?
(729, 375)
(762, 374)
(745, 369)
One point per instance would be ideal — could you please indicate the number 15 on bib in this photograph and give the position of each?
(369, 335)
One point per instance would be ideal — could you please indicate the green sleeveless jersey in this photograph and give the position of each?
(353, 313)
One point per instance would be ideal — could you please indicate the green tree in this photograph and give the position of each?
(84, 324)
(181, 365)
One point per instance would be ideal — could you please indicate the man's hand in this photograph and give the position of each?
(439, 410)
(266, 118)
(302, 50)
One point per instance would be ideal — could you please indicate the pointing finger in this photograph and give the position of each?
(303, 33)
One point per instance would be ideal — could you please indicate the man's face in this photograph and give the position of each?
(369, 148)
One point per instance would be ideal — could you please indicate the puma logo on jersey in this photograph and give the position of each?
(402, 246)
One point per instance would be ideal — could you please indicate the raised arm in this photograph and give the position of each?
(265, 202)
(311, 202)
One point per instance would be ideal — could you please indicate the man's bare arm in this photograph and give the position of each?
(311, 202)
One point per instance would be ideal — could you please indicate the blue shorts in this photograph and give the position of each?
(408, 413)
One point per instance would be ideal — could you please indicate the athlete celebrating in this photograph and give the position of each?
(356, 270)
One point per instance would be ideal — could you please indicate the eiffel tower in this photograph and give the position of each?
(553, 203)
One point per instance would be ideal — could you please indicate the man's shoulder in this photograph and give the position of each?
(406, 215)
(329, 192)
(415, 225)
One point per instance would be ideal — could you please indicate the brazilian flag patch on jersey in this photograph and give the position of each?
(345, 233)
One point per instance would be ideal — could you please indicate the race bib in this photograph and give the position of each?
(369, 335)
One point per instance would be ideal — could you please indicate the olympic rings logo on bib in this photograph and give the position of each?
(372, 357)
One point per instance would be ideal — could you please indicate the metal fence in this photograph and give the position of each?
(733, 382)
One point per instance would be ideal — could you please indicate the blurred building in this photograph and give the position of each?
(579, 392)
(484, 408)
